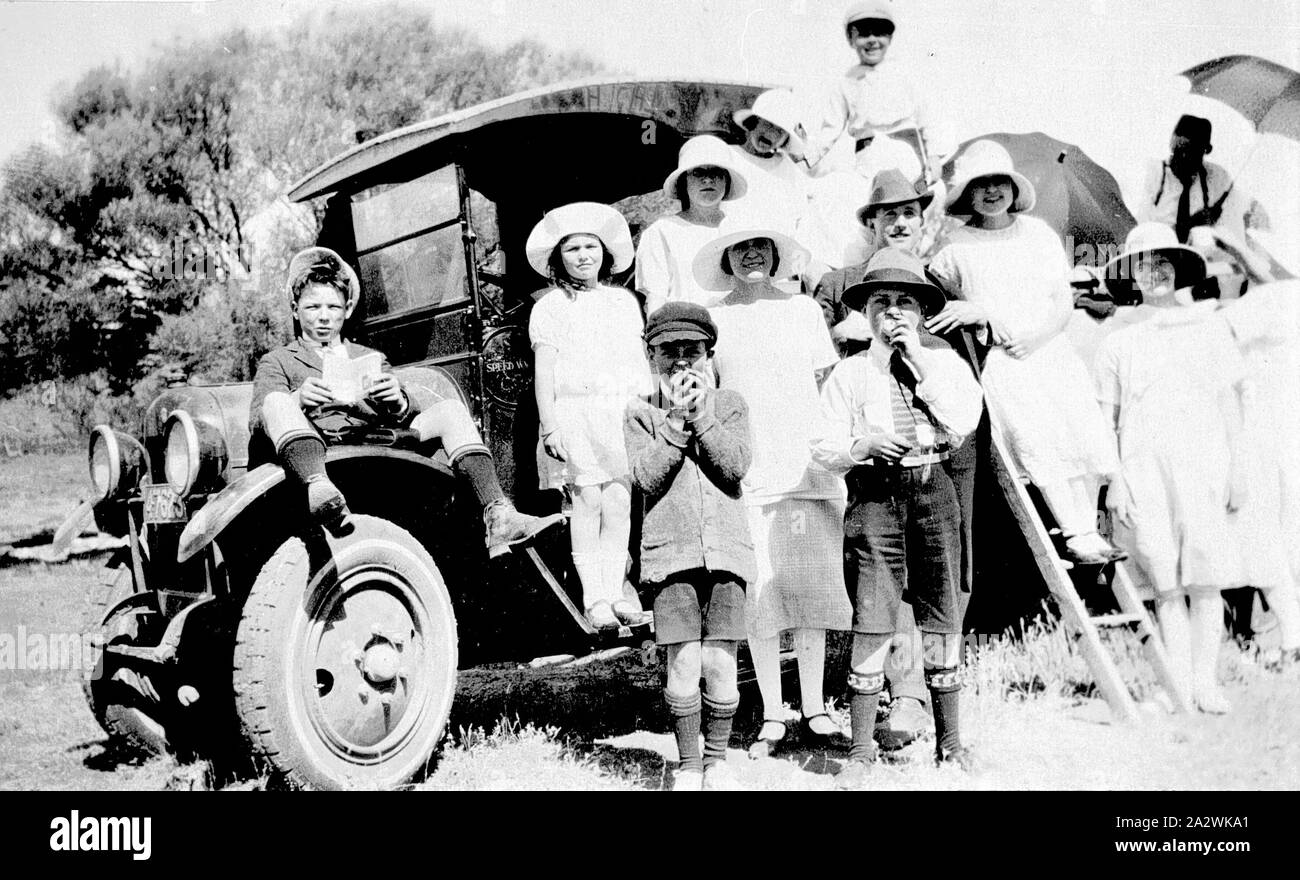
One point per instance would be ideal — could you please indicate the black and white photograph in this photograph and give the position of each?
(741, 395)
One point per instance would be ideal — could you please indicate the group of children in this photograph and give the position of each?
(768, 467)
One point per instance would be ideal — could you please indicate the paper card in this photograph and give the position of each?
(348, 378)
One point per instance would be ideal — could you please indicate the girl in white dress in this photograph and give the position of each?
(707, 175)
(771, 347)
(1010, 272)
(589, 361)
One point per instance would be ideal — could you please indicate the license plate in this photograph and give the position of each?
(162, 505)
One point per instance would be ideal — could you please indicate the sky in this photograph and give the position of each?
(1098, 73)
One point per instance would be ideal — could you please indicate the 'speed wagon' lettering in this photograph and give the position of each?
(76, 833)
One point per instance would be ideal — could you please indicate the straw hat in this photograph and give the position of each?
(791, 256)
(1153, 238)
(591, 218)
(895, 269)
(705, 150)
(986, 158)
(781, 108)
(322, 259)
(882, 10)
(891, 187)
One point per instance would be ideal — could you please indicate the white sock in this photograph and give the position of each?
(766, 654)
(810, 645)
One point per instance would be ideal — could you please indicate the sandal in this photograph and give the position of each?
(766, 747)
(836, 739)
(601, 615)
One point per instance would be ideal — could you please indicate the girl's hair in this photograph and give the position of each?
(681, 187)
(323, 274)
(560, 276)
(776, 256)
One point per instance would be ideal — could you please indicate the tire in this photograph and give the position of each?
(335, 633)
(131, 720)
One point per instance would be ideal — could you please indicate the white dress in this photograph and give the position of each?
(769, 350)
(1043, 406)
(600, 365)
(1173, 377)
(663, 262)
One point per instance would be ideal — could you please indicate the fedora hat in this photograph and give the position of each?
(891, 187)
(1153, 238)
(791, 256)
(322, 259)
(702, 150)
(781, 108)
(591, 218)
(881, 10)
(986, 158)
(894, 269)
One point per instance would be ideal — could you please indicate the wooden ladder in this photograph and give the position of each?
(1078, 619)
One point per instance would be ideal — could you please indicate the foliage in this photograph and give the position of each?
(155, 231)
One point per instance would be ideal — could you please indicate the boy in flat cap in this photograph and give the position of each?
(894, 412)
(688, 450)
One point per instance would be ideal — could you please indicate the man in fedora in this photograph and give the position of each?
(892, 415)
(1185, 191)
(892, 217)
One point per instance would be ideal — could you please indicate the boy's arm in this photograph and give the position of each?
(655, 449)
(834, 449)
(722, 437)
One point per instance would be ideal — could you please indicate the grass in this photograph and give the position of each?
(1030, 709)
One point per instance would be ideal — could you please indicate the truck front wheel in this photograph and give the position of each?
(345, 659)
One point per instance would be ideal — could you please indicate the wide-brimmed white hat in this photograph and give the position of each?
(987, 158)
(791, 256)
(322, 258)
(591, 218)
(781, 108)
(1153, 238)
(702, 150)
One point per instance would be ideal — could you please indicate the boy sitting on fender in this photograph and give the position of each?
(299, 413)
(893, 412)
(688, 451)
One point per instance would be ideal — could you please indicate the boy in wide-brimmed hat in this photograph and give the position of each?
(688, 450)
(893, 414)
(299, 412)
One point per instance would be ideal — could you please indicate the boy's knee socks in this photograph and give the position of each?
(945, 690)
(303, 456)
(866, 690)
(717, 728)
(479, 471)
(686, 726)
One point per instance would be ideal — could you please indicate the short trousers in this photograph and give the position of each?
(699, 605)
(905, 540)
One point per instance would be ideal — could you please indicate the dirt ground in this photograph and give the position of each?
(609, 732)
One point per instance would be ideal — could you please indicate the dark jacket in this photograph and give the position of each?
(287, 367)
(690, 484)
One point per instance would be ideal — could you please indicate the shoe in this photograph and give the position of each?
(766, 747)
(836, 739)
(856, 773)
(1091, 549)
(720, 777)
(506, 526)
(962, 757)
(907, 722)
(601, 616)
(688, 780)
(629, 613)
(325, 503)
